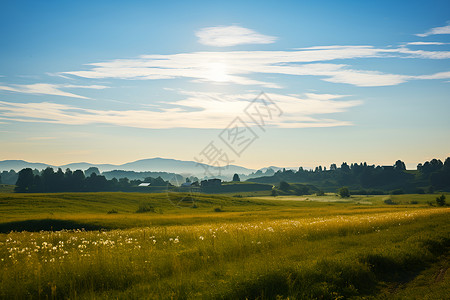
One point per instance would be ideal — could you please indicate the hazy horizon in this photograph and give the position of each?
(338, 163)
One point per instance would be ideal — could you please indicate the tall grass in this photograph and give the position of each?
(328, 257)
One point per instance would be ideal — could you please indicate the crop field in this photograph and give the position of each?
(180, 246)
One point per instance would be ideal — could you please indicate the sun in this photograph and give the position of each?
(217, 72)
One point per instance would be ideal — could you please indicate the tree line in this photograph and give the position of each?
(33, 181)
(430, 176)
(433, 175)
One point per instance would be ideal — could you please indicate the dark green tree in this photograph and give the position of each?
(440, 200)
(91, 170)
(447, 164)
(96, 183)
(400, 166)
(124, 183)
(236, 177)
(48, 180)
(345, 167)
(344, 192)
(37, 185)
(77, 182)
(25, 181)
(58, 181)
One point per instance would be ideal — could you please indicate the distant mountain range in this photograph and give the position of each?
(18, 165)
(278, 168)
(185, 168)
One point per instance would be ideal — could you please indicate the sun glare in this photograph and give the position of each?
(217, 72)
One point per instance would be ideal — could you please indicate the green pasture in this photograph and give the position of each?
(197, 246)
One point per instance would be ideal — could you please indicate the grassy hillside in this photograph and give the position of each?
(297, 247)
(111, 210)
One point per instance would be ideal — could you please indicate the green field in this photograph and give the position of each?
(191, 246)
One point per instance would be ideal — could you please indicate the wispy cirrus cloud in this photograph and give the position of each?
(425, 43)
(436, 30)
(47, 89)
(424, 53)
(196, 110)
(92, 86)
(440, 75)
(237, 67)
(226, 36)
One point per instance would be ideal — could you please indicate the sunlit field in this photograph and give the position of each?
(222, 247)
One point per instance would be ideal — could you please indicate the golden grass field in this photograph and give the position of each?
(284, 247)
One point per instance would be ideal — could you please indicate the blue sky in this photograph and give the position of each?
(112, 82)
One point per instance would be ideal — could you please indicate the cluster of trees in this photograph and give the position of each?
(33, 181)
(294, 189)
(436, 173)
(141, 175)
(430, 176)
(259, 173)
(8, 177)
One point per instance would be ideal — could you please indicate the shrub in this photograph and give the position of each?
(389, 201)
(320, 193)
(440, 200)
(113, 211)
(218, 209)
(145, 207)
(344, 192)
(274, 193)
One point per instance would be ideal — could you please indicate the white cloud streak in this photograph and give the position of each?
(226, 36)
(425, 43)
(441, 75)
(93, 86)
(48, 89)
(196, 110)
(436, 30)
(239, 65)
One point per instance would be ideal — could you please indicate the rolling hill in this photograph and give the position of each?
(157, 164)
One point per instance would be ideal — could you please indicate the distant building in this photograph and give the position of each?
(144, 184)
(186, 184)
